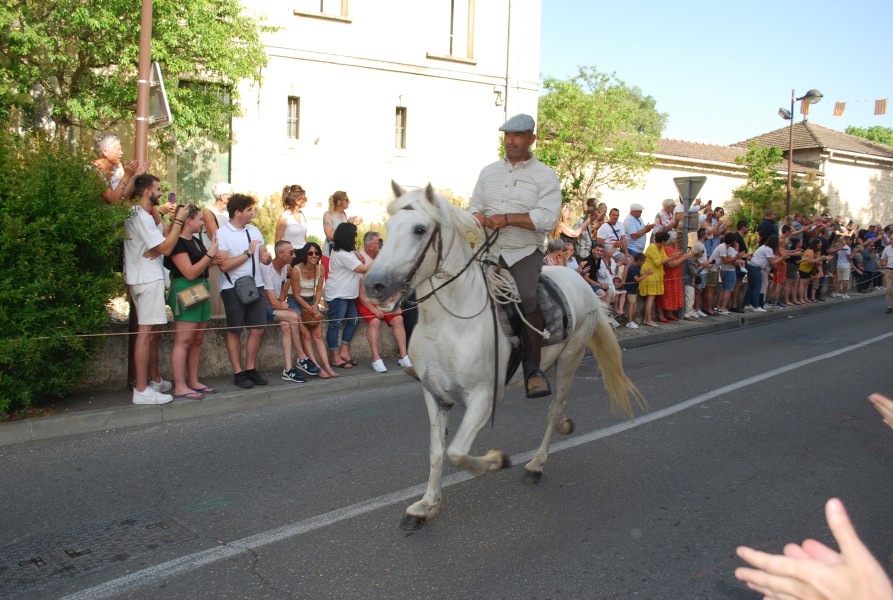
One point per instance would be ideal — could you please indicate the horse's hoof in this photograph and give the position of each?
(531, 477)
(505, 461)
(565, 426)
(412, 522)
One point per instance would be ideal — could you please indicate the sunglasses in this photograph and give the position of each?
(312, 253)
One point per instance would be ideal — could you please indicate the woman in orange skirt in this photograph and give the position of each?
(673, 297)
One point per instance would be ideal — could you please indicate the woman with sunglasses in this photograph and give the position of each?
(188, 264)
(308, 278)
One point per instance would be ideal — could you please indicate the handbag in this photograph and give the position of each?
(193, 295)
(245, 286)
(309, 320)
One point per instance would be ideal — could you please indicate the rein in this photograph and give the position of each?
(488, 242)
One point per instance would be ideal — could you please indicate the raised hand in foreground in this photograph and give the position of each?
(813, 571)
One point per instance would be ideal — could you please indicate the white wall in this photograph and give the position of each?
(350, 76)
(658, 184)
(863, 193)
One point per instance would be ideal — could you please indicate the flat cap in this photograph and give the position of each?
(518, 124)
(636, 206)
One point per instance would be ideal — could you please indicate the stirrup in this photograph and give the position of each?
(539, 393)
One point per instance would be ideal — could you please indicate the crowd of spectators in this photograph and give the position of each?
(723, 268)
(204, 262)
(304, 288)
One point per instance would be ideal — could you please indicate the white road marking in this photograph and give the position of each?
(197, 560)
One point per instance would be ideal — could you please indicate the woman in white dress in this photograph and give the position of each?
(292, 224)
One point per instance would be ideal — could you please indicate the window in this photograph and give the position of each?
(293, 121)
(459, 28)
(400, 128)
(324, 9)
(456, 42)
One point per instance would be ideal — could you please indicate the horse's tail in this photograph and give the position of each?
(607, 352)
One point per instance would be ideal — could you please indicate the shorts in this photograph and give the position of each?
(240, 315)
(198, 313)
(369, 317)
(293, 303)
(712, 278)
(271, 314)
(729, 279)
(792, 271)
(888, 277)
(148, 299)
(843, 273)
(804, 274)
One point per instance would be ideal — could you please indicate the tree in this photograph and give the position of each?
(881, 135)
(60, 247)
(596, 131)
(73, 63)
(766, 189)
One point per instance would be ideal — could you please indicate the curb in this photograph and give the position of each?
(128, 415)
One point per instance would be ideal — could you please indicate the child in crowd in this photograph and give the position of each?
(631, 280)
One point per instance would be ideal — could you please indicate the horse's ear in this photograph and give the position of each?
(398, 191)
(431, 195)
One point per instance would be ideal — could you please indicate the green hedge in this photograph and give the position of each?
(59, 248)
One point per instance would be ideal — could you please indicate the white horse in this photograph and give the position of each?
(453, 347)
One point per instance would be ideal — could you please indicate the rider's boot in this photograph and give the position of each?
(535, 379)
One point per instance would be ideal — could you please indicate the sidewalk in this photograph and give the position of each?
(87, 412)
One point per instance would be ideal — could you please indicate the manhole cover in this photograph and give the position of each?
(40, 563)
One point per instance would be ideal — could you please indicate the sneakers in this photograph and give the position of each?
(405, 362)
(150, 396)
(748, 308)
(631, 325)
(255, 377)
(241, 379)
(378, 366)
(723, 312)
(308, 366)
(614, 323)
(700, 313)
(161, 386)
(293, 375)
(835, 295)
(844, 296)
(759, 309)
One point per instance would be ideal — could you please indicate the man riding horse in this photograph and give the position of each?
(520, 197)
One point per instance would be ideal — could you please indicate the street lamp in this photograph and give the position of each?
(812, 96)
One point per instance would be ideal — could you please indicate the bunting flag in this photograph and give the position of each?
(804, 107)
(880, 107)
(839, 107)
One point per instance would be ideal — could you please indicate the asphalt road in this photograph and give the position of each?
(748, 433)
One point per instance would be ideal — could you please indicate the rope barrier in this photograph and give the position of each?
(159, 331)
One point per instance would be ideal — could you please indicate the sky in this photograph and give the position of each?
(721, 70)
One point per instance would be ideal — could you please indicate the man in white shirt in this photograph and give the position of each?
(241, 250)
(275, 275)
(887, 262)
(520, 197)
(144, 245)
(613, 236)
(636, 230)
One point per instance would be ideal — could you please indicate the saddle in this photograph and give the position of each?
(557, 319)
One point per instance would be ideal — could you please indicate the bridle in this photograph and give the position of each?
(406, 287)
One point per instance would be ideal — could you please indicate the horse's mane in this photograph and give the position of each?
(437, 207)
